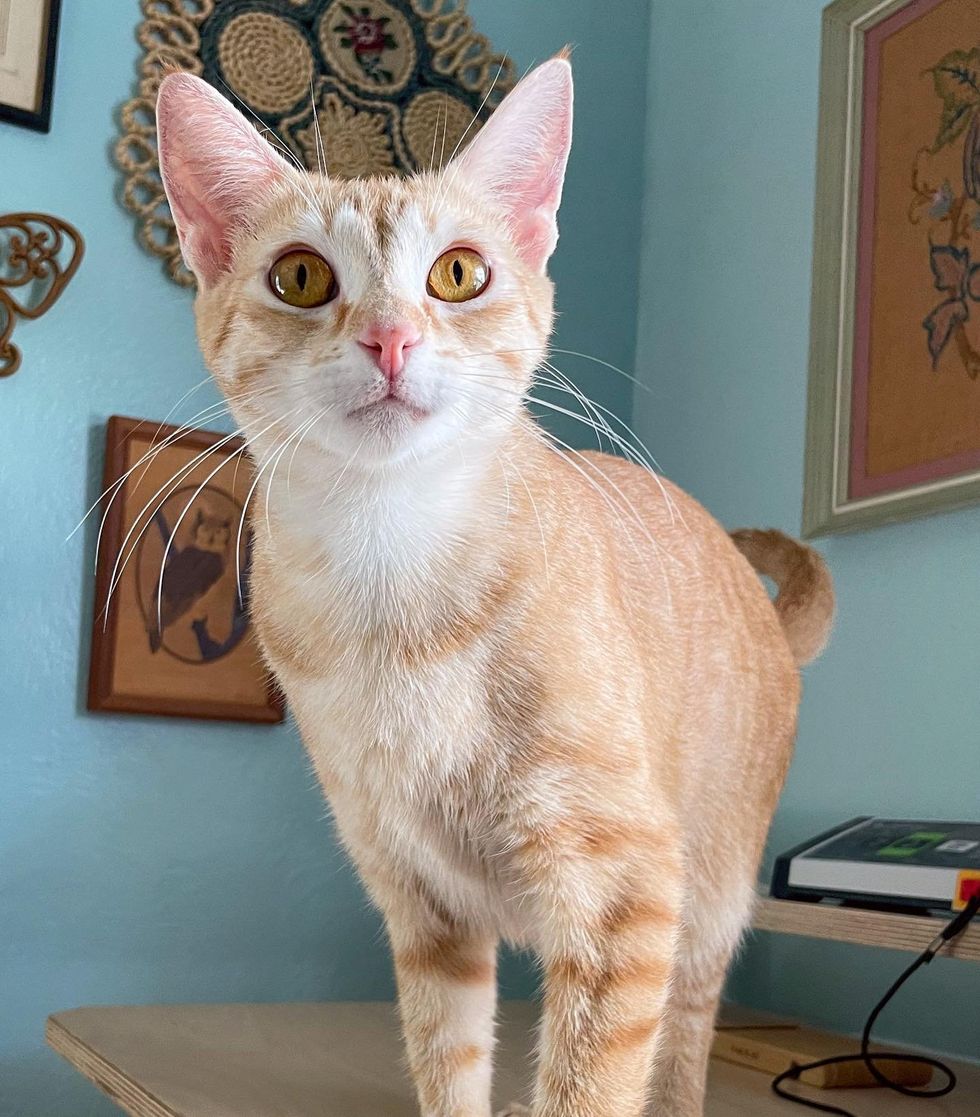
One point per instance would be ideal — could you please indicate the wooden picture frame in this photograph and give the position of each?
(893, 417)
(28, 52)
(181, 644)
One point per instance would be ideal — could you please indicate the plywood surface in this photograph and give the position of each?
(868, 928)
(343, 1060)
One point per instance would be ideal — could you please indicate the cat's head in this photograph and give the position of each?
(210, 531)
(382, 317)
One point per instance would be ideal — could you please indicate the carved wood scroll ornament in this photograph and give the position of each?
(38, 256)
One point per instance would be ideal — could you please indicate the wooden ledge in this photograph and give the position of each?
(867, 928)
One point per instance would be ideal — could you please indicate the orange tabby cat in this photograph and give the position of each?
(548, 699)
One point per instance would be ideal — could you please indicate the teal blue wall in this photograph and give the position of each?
(596, 267)
(148, 859)
(891, 712)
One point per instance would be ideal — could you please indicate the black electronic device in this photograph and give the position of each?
(885, 863)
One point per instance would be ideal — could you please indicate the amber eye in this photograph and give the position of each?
(302, 278)
(458, 275)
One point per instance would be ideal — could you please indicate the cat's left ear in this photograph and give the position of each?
(519, 156)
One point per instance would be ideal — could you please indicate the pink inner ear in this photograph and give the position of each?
(537, 217)
(216, 169)
(520, 155)
(205, 239)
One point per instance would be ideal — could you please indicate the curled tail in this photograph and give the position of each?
(805, 601)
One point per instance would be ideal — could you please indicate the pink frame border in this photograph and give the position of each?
(858, 483)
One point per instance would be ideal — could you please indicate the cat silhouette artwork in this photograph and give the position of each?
(189, 574)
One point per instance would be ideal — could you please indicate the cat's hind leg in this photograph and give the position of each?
(713, 927)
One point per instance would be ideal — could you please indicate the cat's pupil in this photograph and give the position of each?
(301, 277)
(458, 272)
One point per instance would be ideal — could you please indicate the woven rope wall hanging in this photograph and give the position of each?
(395, 83)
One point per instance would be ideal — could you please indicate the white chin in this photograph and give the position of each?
(388, 415)
(386, 431)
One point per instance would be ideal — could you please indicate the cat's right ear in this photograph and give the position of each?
(216, 169)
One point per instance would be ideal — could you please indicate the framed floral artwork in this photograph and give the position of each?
(28, 46)
(171, 633)
(893, 426)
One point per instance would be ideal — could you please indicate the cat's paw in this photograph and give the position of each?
(515, 1109)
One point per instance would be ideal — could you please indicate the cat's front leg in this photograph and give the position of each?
(447, 997)
(608, 960)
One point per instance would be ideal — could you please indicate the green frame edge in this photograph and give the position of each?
(826, 507)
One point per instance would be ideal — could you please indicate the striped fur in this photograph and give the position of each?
(548, 699)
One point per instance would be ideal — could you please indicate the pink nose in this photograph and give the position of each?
(387, 346)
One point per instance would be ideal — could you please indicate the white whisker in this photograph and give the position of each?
(637, 453)
(658, 550)
(171, 483)
(565, 450)
(537, 516)
(146, 457)
(180, 519)
(292, 457)
(258, 475)
(297, 435)
(628, 450)
(435, 131)
(476, 115)
(642, 456)
(569, 352)
(317, 134)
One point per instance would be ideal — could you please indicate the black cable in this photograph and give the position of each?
(953, 928)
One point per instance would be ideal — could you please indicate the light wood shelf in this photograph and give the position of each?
(346, 1060)
(867, 928)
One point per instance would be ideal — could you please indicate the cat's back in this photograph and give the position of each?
(677, 574)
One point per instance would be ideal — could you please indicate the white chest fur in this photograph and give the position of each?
(402, 746)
